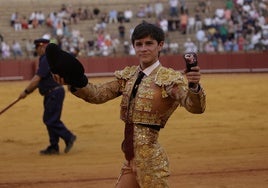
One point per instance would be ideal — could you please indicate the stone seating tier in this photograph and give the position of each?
(25, 7)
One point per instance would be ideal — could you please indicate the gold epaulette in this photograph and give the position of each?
(126, 73)
(168, 76)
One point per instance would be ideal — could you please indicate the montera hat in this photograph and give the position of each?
(65, 65)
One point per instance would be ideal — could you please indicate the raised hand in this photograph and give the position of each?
(192, 70)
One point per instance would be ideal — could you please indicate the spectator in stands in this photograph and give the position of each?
(104, 17)
(201, 39)
(100, 26)
(65, 43)
(121, 31)
(13, 18)
(254, 40)
(83, 14)
(207, 22)
(214, 42)
(17, 23)
(261, 20)
(228, 46)
(227, 14)
(82, 45)
(208, 47)
(49, 20)
(158, 9)
(40, 16)
(220, 47)
(126, 47)
(183, 6)
(231, 29)
(131, 50)
(208, 6)
(29, 48)
(173, 8)
(100, 39)
(5, 48)
(33, 22)
(183, 22)
(189, 46)
(234, 44)
(141, 13)
(163, 23)
(223, 31)
(264, 42)
(16, 49)
(115, 43)
(190, 25)
(263, 7)
(59, 28)
(128, 15)
(91, 47)
(247, 7)
(113, 16)
(174, 48)
(87, 14)
(96, 12)
(107, 47)
(73, 14)
(241, 42)
(166, 48)
(219, 13)
(24, 23)
(120, 17)
(212, 33)
(79, 14)
(198, 22)
(149, 10)
(201, 6)
(229, 4)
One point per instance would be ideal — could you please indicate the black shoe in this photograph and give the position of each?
(69, 144)
(50, 151)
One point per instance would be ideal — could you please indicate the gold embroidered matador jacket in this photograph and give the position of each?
(159, 94)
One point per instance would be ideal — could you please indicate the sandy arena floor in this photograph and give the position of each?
(226, 147)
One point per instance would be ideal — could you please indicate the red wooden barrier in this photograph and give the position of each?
(105, 66)
(17, 69)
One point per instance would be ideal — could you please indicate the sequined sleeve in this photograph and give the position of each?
(100, 93)
(174, 85)
(104, 92)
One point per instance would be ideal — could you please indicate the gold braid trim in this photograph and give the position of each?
(164, 76)
(126, 73)
(167, 76)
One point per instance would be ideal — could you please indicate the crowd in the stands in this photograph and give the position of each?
(238, 26)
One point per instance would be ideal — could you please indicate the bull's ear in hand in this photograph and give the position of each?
(190, 59)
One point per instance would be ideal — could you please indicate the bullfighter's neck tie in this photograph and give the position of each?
(128, 147)
(136, 85)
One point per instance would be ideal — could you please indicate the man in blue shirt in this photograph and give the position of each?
(53, 102)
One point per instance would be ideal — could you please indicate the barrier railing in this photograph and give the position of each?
(105, 66)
